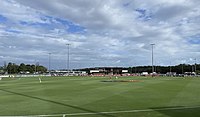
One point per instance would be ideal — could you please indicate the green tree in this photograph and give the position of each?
(12, 68)
(9, 68)
(29, 68)
(198, 72)
(22, 67)
(41, 69)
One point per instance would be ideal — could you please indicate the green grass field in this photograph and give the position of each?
(90, 97)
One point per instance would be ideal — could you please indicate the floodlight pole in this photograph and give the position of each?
(50, 63)
(35, 66)
(152, 58)
(68, 58)
(5, 67)
(195, 67)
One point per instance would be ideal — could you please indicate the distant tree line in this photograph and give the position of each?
(12, 68)
(179, 69)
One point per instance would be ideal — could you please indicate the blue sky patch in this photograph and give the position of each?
(72, 28)
(37, 24)
(33, 24)
(144, 15)
(194, 39)
(12, 31)
(2, 19)
(51, 24)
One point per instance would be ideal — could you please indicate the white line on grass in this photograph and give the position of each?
(111, 112)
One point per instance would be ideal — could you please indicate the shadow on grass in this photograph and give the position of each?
(179, 111)
(58, 103)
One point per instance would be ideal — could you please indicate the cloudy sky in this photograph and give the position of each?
(101, 32)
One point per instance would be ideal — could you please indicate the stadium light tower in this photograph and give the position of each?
(68, 57)
(49, 63)
(35, 66)
(195, 67)
(152, 57)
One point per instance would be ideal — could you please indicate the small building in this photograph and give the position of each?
(144, 73)
(107, 71)
(124, 71)
(189, 74)
(171, 74)
(68, 73)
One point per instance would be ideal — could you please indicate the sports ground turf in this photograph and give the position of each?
(99, 97)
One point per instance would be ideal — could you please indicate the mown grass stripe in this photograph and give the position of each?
(112, 112)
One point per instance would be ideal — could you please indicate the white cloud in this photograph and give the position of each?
(114, 33)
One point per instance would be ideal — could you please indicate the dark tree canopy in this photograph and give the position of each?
(13, 68)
